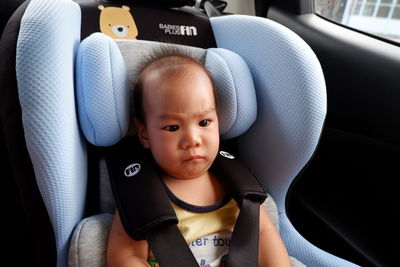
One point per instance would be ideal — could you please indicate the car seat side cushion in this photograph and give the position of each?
(46, 93)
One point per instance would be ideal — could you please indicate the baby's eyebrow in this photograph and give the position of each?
(205, 112)
(165, 116)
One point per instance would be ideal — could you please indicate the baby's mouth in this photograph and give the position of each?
(193, 158)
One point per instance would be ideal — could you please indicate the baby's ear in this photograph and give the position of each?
(142, 133)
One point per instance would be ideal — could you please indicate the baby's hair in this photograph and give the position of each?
(169, 59)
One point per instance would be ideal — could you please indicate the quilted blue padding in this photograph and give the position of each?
(47, 43)
(102, 90)
(237, 103)
(291, 98)
(290, 92)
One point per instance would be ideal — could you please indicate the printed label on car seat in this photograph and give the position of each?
(117, 22)
(132, 170)
(178, 29)
(226, 154)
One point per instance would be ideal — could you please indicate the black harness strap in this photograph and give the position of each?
(143, 206)
(246, 189)
(237, 178)
(170, 247)
(146, 212)
(139, 195)
(243, 250)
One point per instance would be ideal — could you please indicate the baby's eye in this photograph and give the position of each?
(171, 128)
(204, 123)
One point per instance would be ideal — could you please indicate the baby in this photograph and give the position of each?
(176, 118)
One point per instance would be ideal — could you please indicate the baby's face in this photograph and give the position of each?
(181, 122)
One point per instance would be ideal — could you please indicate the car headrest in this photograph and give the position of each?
(106, 70)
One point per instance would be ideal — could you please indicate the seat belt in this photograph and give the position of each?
(147, 214)
(169, 247)
(211, 10)
(246, 189)
(261, 7)
(243, 249)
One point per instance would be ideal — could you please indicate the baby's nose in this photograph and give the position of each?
(192, 139)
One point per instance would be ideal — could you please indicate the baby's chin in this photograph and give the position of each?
(188, 171)
(186, 176)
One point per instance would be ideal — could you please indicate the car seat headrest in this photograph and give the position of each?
(102, 94)
(106, 70)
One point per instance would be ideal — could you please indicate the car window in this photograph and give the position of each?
(377, 17)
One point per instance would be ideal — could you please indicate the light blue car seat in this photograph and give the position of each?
(276, 125)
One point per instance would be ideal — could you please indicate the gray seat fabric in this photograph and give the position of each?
(88, 245)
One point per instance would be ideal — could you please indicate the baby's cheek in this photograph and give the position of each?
(164, 156)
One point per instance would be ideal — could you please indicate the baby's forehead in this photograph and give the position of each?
(159, 73)
(171, 64)
(165, 73)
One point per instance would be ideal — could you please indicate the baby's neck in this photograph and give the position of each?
(201, 191)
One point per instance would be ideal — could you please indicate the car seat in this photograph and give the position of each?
(39, 115)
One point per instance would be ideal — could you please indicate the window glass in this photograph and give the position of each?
(378, 17)
(368, 10)
(383, 11)
(396, 13)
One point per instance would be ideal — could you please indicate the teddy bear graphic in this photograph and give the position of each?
(117, 22)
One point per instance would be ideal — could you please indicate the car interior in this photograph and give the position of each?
(324, 143)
